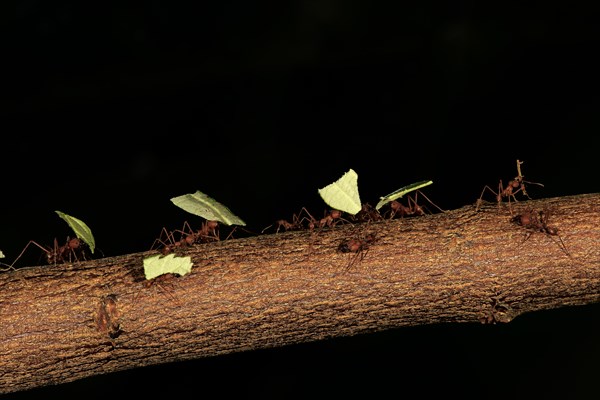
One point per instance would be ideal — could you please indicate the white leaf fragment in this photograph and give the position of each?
(343, 194)
(82, 231)
(170, 264)
(206, 207)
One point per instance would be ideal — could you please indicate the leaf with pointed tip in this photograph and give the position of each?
(82, 231)
(170, 264)
(401, 192)
(343, 194)
(206, 207)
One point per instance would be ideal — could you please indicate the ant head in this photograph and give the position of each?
(74, 243)
(212, 224)
(335, 214)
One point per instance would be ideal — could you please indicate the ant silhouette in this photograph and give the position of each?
(72, 251)
(514, 186)
(537, 221)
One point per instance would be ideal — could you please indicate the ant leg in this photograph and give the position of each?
(25, 248)
(159, 241)
(489, 189)
(430, 202)
(311, 221)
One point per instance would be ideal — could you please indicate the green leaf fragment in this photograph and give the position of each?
(1, 254)
(401, 192)
(343, 194)
(170, 264)
(206, 207)
(82, 231)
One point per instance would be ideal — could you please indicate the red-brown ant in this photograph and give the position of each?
(72, 251)
(397, 209)
(296, 224)
(514, 186)
(537, 221)
(358, 246)
(208, 232)
(331, 219)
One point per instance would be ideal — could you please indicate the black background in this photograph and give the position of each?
(109, 111)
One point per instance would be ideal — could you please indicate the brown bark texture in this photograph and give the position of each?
(70, 321)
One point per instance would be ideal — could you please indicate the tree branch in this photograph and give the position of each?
(66, 322)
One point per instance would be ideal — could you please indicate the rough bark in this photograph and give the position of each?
(69, 321)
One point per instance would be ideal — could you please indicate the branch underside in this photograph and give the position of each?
(70, 321)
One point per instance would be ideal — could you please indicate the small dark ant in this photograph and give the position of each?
(358, 246)
(514, 186)
(73, 250)
(537, 221)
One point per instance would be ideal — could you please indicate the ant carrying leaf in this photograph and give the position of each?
(73, 249)
(82, 231)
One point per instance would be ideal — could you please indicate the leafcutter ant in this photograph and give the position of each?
(397, 209)
(331, 219)
(208, 232)
(516, 185)
(359, 246)
(537, 221)
(296, 224)
(73, 250)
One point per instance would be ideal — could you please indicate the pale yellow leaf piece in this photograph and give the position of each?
(170, 264)
(343, 194)
(206, 207)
